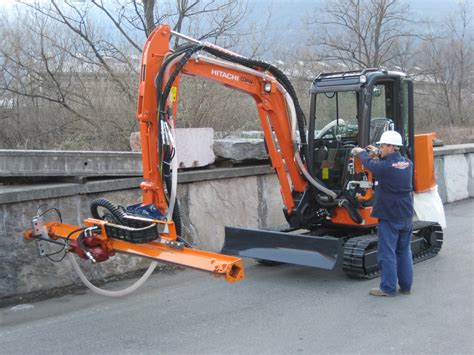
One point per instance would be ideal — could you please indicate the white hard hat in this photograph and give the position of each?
(391, 137)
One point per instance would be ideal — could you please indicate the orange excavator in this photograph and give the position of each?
(326, 192)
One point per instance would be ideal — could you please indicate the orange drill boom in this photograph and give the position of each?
(164, 249)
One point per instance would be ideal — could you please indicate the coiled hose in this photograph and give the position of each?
(119, 216)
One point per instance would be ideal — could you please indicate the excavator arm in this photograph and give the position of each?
(161, 71)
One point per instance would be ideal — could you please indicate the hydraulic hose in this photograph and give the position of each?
(313, 182)
(108, 293)
(287, 89)
(293, 103)
(353, 213)
(171, 184)
(159, 77)
(102, 202)
(294, 106)
(174, 185)
(119, 215)
(279, 75)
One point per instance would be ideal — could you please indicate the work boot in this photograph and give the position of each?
(405, 292)
(378, 292)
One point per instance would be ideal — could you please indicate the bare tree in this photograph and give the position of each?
(361, 33)
(73, 66)
(448, 67)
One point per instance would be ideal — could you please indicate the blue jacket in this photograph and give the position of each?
(393, 194)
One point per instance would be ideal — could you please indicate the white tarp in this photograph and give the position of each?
(429, 207)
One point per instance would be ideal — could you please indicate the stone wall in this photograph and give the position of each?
(210, 199)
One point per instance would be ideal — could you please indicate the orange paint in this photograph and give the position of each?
(341, 216)
(272, 110)
(229, 267)
(424, 178)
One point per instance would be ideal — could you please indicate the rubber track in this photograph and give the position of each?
(356, 248)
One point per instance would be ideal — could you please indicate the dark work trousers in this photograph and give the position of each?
(394, 254)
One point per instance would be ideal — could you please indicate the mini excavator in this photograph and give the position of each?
(326, 192)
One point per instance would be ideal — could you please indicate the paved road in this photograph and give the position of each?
(285, 309)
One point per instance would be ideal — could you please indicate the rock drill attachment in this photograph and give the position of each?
(152, 239)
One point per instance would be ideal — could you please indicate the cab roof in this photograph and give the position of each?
(351, 80)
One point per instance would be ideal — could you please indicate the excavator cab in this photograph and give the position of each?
(351, 109)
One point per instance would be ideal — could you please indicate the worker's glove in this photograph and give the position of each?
(356, 150)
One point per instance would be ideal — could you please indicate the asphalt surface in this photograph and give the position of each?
(275, 310)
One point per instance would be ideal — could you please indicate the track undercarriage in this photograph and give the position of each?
(327, 247)
(360, 253)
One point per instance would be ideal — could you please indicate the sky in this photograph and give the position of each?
(431, 8)
(287, 16)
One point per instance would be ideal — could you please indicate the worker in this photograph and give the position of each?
(393, 207)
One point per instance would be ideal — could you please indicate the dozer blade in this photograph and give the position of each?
(300, 249)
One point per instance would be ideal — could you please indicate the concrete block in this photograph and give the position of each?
(193, 146)
(241, 134)
(439, 175)
(470, 180)
(240, 149)
(270, 203)
(215, 204)
(249, 135)
(456, 177)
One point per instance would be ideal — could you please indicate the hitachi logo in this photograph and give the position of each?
(223, 74)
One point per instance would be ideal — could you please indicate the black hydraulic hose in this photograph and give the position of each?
(162, 96)
(80, 242)
(187, 55)
(176, 216)
(352, 200)
(102, 202)
(250, 63)
(330, 203)
(278, 74)
(159, 77)
(253, 64)
(353, 212)
(159, 81)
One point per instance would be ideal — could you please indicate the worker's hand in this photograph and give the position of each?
(373, 151)
(356, 150)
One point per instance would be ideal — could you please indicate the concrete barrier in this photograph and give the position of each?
(454, 169)
(210, 199)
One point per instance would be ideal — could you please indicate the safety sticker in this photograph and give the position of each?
(325, 173)
(173, 92)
